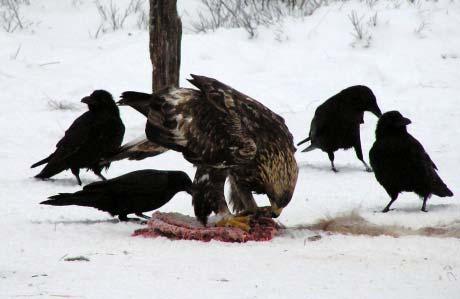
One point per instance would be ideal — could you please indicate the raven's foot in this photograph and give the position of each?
(142, 216)
(124, 218)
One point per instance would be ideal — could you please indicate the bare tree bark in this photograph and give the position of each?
(165, 43)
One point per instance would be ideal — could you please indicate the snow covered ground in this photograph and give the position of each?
(412, 63)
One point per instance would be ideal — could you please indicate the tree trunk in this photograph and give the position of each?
(165, 39)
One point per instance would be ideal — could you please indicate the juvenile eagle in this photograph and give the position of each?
(225, 134)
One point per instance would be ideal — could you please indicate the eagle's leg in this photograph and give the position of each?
(241, 199)
(244, 204)
(208, 193)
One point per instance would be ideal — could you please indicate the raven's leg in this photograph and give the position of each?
(359, 153)
(142, 216)
(124, 218)
(76, 173)
(425, 198)
(97, 172)
(331, 158)
(101, 176)
(387, 208)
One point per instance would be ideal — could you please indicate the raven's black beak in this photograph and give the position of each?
(86, 100)
(189, 190)
(376, 111)
(121, 102)
(406, 121)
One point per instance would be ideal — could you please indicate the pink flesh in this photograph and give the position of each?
(180, 227)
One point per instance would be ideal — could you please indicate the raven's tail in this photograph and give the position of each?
(50, 170)
(41, 162)
(137, 100)
(303, 141)
(440, 189)
(68, 199)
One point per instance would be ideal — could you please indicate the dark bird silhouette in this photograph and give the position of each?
(226, 134)
(141, 147)
(336, 122)
(400, 162)
(96, 134)
(135, 192)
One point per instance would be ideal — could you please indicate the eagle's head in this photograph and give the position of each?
(279, 173)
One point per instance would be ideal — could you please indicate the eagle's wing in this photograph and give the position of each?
(229, 102)
(137, 149)
(137, 100)
(254, 120)
(205, 125)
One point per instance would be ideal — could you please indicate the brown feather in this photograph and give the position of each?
(218, 127)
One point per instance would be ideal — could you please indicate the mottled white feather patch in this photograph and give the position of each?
(203, 178)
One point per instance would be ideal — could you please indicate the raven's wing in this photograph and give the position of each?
(75, 137)
(137, 182)
(419, 154)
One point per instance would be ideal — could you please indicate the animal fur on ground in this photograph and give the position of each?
(352, 223)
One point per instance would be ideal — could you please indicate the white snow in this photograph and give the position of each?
(414, 71)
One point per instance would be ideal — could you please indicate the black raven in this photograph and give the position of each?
(400, 162)
(336, 122)
(96, 134)
(135, 192)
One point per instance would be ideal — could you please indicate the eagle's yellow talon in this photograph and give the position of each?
(241, 222)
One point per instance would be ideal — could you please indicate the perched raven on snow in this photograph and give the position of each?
(135, 192)
(96, 134)
(400, 162)
(336, 122)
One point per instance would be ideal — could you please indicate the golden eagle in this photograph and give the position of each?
(225, 134)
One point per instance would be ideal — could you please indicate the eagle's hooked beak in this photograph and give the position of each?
(276, 211)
